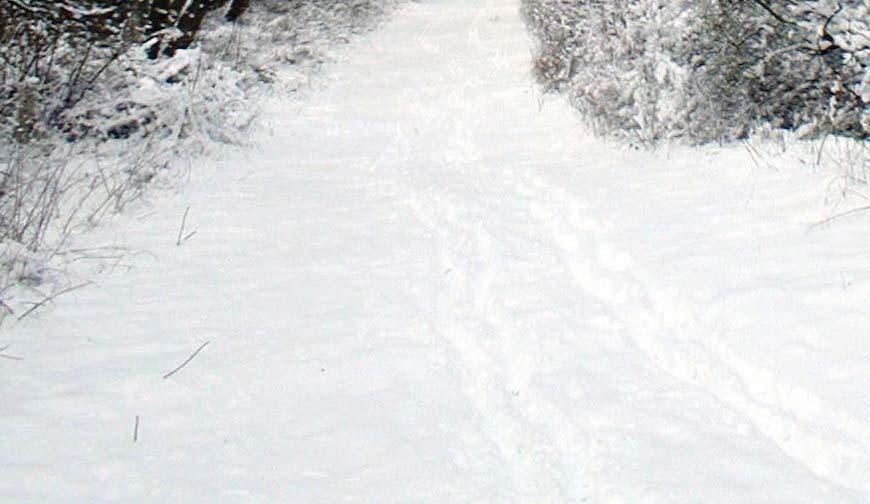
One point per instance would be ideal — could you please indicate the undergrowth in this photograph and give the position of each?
(89, 124)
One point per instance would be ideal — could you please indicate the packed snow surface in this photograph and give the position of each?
(427, 283)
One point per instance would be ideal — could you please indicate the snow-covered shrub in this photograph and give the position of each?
(88, 120)
(73, 74)
(708, 69)
(613, 59)
(88, 73)
(48, 62)
(794, 65)
(294, 34)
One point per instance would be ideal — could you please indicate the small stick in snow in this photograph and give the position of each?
(188, 236)
(180, 366)
(136, 430)
(181, 238)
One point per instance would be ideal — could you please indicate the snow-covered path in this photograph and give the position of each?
(429, 285)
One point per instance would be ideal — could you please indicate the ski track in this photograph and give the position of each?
(818, 435)
(576, 368)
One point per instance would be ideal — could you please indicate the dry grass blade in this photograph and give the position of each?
(180, 239)
(186, 361)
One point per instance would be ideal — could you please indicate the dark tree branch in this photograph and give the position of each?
(766, 6)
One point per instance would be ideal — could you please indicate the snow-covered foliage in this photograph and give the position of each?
(88, 120)
(611, 58)
(796, 65)
(290, 38)
(708, 69)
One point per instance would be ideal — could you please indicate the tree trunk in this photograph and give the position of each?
(189, 21)
(159, 18)
(187, 17)
(237, 8)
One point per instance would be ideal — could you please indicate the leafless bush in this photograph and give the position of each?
(30, 192)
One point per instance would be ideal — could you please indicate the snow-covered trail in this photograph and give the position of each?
(428, 285)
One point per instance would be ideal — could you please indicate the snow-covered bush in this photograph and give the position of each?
(73, 70)
(612, 58)
(89, 73)
(88, 119)
(794, 65)
(48, 62)
(708, 69)
(289, 34)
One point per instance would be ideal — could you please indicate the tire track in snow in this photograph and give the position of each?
(546, 448)
(825, 439)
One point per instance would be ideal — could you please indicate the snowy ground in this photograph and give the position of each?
(427, 284)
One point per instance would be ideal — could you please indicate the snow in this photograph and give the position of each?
(428, 283)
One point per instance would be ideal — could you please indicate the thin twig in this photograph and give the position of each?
(181, 230)
(764, 5)
(188, 236)
(180, 366)
(136, 430)
(51, 298)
